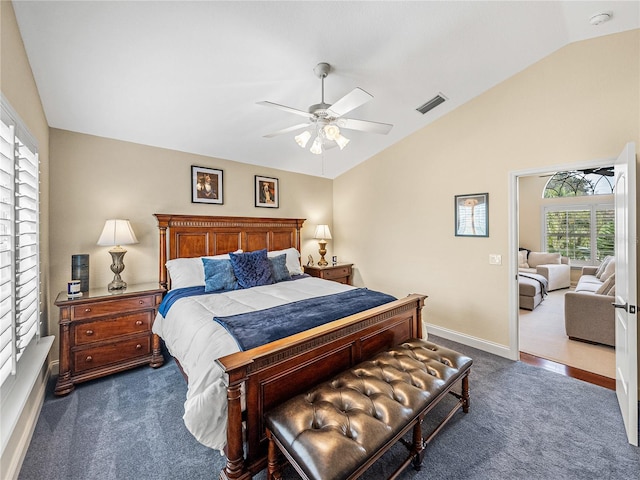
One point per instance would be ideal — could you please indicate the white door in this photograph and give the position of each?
(626, 291)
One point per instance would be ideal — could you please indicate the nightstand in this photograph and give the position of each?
(340, 273)
(103, 332)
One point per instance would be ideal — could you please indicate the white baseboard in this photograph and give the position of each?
(475, 342)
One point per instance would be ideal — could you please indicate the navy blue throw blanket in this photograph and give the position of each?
(253, 329)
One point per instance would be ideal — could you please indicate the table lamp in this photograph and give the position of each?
(322, 234)
(117, 233)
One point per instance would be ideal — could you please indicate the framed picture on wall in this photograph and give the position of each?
(472, 215)
(206, 185)
(267, 192)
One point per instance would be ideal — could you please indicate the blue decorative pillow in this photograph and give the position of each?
(252, 269)
(279, 268)
(218, 275)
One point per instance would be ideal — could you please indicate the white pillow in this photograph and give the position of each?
(609, 270)
(189, 272)
(522, 259)
(293, 259)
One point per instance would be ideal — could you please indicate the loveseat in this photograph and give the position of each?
(588, 313)
(552, 266)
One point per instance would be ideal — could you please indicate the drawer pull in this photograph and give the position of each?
(139, 322)
(138, 347)
(89, 359)
(89, 332)
(87, 310)
(140, 302)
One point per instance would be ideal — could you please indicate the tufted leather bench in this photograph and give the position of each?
(341, 427)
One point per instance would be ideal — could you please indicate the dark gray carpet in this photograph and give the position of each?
(524, 423)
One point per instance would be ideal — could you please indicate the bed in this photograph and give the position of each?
(246, 383)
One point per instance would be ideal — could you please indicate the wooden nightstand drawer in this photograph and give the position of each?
(97, 309)
(90, 358)
(337, 273)
(90, 332)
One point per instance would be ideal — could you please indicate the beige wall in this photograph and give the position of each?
(93, 179)
(393, 214)
(18, 87)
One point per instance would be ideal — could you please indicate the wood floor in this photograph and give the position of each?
(568, 371)
(543, 343)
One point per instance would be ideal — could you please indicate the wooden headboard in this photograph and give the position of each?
(203, 235)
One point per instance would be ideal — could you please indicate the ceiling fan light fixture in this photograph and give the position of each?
(331, 131)
(341, 141)
(316, 148)
(303, 138)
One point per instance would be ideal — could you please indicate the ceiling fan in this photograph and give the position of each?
(325, 120)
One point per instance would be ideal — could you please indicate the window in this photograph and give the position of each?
(577, 183)
(584, 233)
(19, 242)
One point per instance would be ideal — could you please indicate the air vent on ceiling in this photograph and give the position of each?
(431, 104)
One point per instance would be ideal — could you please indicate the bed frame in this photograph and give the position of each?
(275, 372)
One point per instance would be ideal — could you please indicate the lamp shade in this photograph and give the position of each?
(322, 232)
(117, 232)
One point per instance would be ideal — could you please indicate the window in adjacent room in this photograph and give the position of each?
(584, 233)
(19, 241)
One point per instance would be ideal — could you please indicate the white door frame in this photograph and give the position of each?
(514, 326)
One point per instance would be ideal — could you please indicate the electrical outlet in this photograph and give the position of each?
(495, 259)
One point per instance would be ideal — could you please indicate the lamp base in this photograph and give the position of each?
(323, 250)
(117, 266)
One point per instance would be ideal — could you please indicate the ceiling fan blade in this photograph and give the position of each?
(350, 101)
(364, 125)
(287, 130)
(286, 109)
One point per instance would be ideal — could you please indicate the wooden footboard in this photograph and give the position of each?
(279, 370)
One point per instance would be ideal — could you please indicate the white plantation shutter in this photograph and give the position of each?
(19, 244)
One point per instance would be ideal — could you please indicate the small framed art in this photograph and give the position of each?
(472, 215)
(267, 192)
(206, 185)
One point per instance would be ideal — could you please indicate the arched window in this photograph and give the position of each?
(578, 183)
(583, 232)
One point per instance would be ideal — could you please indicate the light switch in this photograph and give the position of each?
(495, 259)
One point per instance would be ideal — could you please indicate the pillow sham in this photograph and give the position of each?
(252, 269)
(189, 272)
(279, 269)
(218, 275)
(293, 259)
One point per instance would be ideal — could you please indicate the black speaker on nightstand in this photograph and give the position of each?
(80, 270)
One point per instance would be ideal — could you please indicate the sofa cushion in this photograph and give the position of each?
(603, 265)
(587, 287)
(590, 279)
(543, 258)
(606, 285)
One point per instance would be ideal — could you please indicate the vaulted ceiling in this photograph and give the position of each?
(188, 75)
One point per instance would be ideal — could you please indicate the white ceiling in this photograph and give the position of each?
(187, 75)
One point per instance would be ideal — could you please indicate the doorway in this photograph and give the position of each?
(539, 334)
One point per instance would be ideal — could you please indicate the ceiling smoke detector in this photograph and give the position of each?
(599, 18)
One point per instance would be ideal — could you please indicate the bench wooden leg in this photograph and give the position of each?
(418, 444)
(465, 394)
(273, 459)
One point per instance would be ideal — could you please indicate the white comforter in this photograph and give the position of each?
(196, 340)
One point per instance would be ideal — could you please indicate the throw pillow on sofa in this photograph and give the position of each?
(603, 265)
(522, 260)
(607, 285)
(609, 270)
